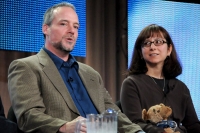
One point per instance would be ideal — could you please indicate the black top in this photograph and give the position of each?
(140, 92)
(1, 109)
(162, 83)
(6, 126)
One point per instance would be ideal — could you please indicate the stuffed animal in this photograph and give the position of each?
(159, 115)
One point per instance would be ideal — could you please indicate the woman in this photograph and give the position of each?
(152, 80)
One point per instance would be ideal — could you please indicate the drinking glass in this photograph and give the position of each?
(102, 123)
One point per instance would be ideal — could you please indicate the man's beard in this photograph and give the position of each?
(61, 47)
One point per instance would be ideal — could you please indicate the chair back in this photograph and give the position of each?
(11, 116)
(118, 103)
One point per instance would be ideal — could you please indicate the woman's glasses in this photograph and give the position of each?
(155, 42)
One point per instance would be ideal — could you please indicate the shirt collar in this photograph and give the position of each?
(71, 62)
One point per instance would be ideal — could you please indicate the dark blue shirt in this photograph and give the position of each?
(69, 72)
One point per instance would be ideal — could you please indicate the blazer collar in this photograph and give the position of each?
(53, 74)
(90, 81)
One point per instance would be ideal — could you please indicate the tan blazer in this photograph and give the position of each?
(41, 101)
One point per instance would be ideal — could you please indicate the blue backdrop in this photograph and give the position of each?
(21, 25)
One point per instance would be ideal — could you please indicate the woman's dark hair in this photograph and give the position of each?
(172, 67)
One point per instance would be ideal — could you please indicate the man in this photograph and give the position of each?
(50, 92)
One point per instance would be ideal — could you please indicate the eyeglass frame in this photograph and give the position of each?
(146, 46)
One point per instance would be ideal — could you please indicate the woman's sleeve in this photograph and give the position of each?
(191, 121)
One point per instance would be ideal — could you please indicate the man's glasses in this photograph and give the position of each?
(155, 42)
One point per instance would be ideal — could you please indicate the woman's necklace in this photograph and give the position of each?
(156, 83)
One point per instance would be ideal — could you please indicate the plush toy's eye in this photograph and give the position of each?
(158, 111)
(154, 110)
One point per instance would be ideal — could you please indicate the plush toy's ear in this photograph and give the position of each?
(166, 111)
(161, 104)
(144, 114)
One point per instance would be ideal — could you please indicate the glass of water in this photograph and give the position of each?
(102, 123)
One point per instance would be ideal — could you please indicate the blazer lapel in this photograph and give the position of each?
(54, 76)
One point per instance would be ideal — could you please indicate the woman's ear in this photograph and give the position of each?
(141, 56)
(169, 50)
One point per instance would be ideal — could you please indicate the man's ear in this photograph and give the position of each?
(45, 29)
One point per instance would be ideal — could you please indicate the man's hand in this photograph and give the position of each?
(78, 125)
